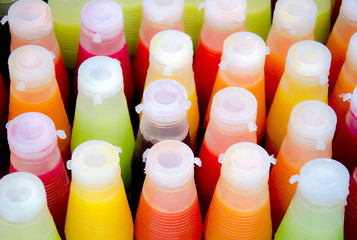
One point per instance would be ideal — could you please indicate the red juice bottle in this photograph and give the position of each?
(221, 19)
(233, 117)
(168, 207)
(102, 34)
(32, 139)
(31, 23)
(4, 103)
(344, 27)
(350, 228)
(158, 15)
(345, 143)
(293, 21)
(164, 117)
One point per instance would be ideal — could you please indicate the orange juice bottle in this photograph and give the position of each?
(242, 65)
(221, 19)
(293, 21)
(34, 88)
(240, 206)
(346, 82)
(168, 207)
(305, 78)
(31, 22)
(158, 15)
(310, 132)
(171, 55)
(233, 118)
(97, 207)
(345, 26)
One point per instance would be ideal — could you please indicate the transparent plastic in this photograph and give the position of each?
(352, 49)
(349, 10)
(163, 11)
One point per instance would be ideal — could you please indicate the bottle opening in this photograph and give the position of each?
(247, 160)
(19, 194)
(244, 46)
(171, 45)
(100, 74)
(169, 160)
(227, 4)
(163, 2)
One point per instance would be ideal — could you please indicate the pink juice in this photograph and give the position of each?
(123, 56)
(57, 186)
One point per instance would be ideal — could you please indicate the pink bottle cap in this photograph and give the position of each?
(102, 20)
(31, 136)
(30, 19)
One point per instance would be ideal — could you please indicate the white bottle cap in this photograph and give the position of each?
(102, 20)
(172, 50)
(31, 66)
(225, 13)
(22, 197)
(95, 164)
(349, 10)
(296, 16)
(31, 136)
(352, 49)
(233, 109)
(163, 12)
(246, 166)
(169, 164)
(165, 101)
(313, 123)
(309, 59)
(30, 19)
(324, 182)
(100, 76)
(244, 53)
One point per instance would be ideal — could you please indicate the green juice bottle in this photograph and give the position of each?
(132, 20)
(323, 21)
(24, 214)
(258, 17)
(101, 110)
(317, 210)
(193, 19)
(66, 16)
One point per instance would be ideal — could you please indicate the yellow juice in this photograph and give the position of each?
(323, 21)
(106, 217)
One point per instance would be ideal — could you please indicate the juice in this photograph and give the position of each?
(3, 115)
(259, 17)
(140, 65)
(350, 226)
(43, 102)
(323, 20)
(107, 218)
(193, 20)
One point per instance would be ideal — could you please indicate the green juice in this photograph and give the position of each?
(258, 17)
(193, 20)
(108, 121)
(66, 22)
(132, 20)
(323, 21)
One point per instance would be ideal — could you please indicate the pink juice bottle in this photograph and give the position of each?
(102, 33)
(32, 139)
(31, 23)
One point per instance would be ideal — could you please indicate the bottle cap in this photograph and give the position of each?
(244, 53)
(169, 164)
(22, 197)
(163, 12)
(30, 19)
(165, 101)
(100, 77)
(297, 17)
(102, 20)
(313, 123)
(352, 49)
(324, 182)
(31, 66)
(225, 13)
(246, 166)
(172, 50)
(234, 109)
(353, 105)
(31, 136)
(349, 10)
(309, 59)
(95, 164)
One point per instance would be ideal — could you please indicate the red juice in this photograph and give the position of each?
(351, 210)
(206, 176)
(205, 67)
(62, 80)
(123, 56)
(57, 186)
(141, 65)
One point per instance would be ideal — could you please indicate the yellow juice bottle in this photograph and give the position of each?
(305, 78)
